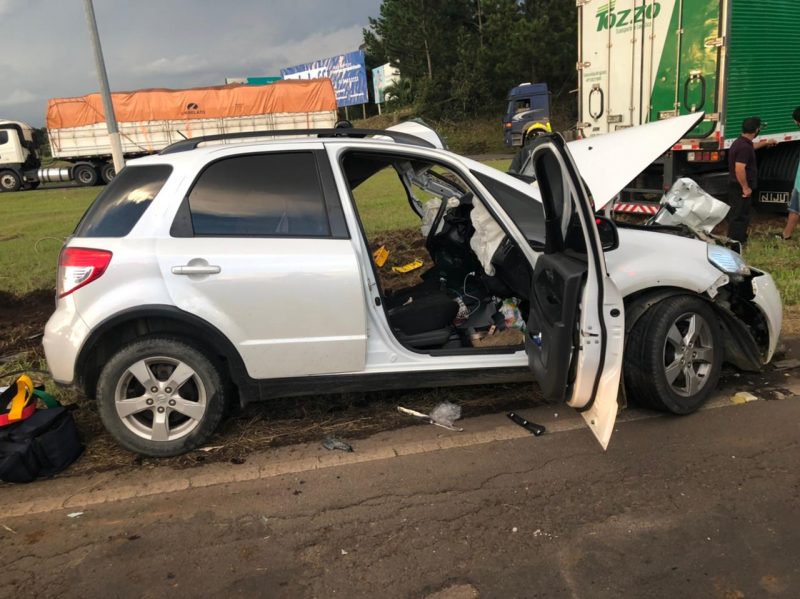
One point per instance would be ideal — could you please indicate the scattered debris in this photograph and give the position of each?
(331, 443)
(9, 529)
(210, 448)
(743, 397)
(445, 414)
(786, 364)
(75, 515)
(514, 529)
(408, 267)
(343, 552)
(537, 429)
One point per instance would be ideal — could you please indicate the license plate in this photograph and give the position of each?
(773, 197)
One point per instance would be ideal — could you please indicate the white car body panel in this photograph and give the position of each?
(291, 307)
(769, 302)
(646, 259)
(607, 163)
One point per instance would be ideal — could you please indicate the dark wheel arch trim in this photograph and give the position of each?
(741, 349)
(205, 333)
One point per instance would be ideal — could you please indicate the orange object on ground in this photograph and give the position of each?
(309, 95)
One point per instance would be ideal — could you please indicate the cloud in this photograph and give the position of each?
(175, 44)
(18, 96)
(10, 7)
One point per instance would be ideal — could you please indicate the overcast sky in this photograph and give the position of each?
(45, 50)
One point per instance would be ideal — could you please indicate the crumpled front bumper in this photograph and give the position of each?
(768, 300)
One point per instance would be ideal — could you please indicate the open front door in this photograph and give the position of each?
(576, 323)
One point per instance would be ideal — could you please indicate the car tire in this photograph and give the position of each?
(85, 175)
(146, 414)
(673, 355)
(10, 181)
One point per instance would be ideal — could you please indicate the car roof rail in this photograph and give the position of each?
(192, 143)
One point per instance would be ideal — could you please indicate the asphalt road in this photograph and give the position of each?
(701, 506)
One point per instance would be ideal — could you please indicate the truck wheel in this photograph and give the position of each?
(674, 355)
(107, 172)
(160, 396)
(85, 175)
(9, 181)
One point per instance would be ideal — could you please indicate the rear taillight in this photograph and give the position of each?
(80, 266)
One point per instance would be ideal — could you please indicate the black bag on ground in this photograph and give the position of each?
(42, 445)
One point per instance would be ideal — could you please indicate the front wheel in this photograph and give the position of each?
(9, 181)
(674, 355)
(160, 397)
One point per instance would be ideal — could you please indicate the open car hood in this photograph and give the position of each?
(607, 163)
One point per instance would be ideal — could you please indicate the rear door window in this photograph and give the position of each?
(120, 205)
(260, 195)
(3, 137)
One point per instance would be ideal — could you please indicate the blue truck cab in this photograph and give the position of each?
(528, 113)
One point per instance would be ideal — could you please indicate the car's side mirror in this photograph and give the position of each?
(609, 237)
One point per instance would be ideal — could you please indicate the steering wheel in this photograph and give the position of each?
(438, 218)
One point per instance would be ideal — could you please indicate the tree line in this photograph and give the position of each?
(459, 58)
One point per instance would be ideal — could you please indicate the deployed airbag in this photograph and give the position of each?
(487, 237)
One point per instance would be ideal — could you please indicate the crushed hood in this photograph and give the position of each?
(607, 163)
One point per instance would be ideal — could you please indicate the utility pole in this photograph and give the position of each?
(105, 92)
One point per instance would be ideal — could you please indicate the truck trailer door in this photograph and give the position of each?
(636, 66)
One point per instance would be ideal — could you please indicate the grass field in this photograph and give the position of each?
(34, 224)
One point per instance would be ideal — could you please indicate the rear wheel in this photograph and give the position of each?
(85, 175)
(107, 172)
(9, 181)
(160, 397)
(674, 355)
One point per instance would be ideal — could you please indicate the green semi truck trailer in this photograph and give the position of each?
(645, 60)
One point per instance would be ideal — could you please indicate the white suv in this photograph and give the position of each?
(244, 271)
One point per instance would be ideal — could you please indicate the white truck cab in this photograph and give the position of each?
(17, 154)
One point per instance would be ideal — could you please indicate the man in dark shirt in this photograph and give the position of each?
(743, 178)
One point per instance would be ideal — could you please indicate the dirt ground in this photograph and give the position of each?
(293, 420)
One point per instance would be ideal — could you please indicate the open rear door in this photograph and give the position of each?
(576, 323)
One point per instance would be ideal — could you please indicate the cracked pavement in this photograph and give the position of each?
(700, 506)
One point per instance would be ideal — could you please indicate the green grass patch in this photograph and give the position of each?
(779, 258)
(33, 226)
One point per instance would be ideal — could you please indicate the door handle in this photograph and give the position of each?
(196, 269)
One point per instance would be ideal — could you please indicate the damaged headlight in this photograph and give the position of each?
(727, 260)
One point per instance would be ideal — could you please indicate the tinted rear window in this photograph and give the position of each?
(526, 212)
(3, 137)
(120, 205)
(261, 195)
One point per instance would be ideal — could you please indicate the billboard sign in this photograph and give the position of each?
(382, 77)
(346, 71)
(251, 80)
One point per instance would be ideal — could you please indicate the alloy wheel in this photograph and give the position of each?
(688, 354)
(160, 398)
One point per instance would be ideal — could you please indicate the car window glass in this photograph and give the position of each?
(3, 137)
(260, 195)
(120, 205)
(524, 210)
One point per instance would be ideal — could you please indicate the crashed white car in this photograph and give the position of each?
(213, 273)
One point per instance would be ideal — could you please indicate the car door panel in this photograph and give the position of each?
(576, 327)
(255, 251)
(557, 287)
